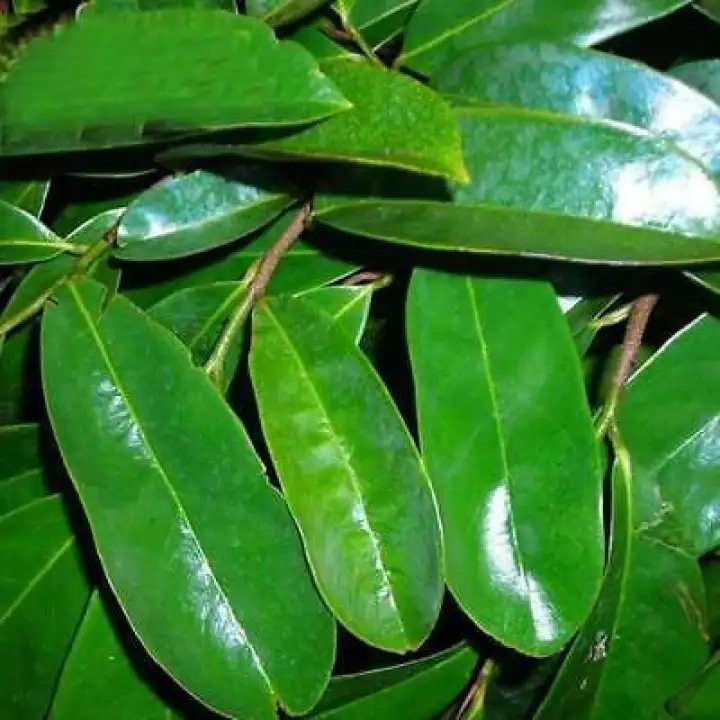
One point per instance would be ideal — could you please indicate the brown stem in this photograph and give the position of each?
(362, 277)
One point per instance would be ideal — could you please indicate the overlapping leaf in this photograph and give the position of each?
(23, 238)
(508, 441)
(162, 87)
(29, 195)
(350, 473)
(376, 20)
(281, 12)
(192, 511)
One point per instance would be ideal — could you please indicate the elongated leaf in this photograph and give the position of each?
(395, 122)
(581, 318)
(23, 238)
(98, 673)
(200, 211)
(23, 472)
(281, 12)
(162, 87)
(351, 475)
(19, 376)
(316, 41)
(613, 195)
(711, 577)
(145, 5)
(42, 595)
(701, 700)
(441, 29)
(347, 306)
(212, 606)
(507, 438)
(711, 8)
(376, 20)
(620, 665)
(28, 195)
(573, 81)
(671, 424)
(419, 690)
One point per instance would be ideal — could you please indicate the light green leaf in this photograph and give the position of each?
(348, 307)
(162, 88)
(136, 436)
(29, 195)
(282, 12)
(376, 20)
(23, 238)
(102, 6)
(351, 475)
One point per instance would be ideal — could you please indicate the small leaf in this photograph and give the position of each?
(419, 689)
(508, 440)
(351, 475)
(99, 673)
(162, 88)
(671, 424)
(395, 121)
(197, 212)
(441, 29)
(42, 595)
(23, 238)
(219, 559)
(28, 195)
(282, 12)
(581, 318)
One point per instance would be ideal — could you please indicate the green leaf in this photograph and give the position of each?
(669, 421)
(348, 307)
(581, 318)
(376, 20)
(197, 212)
(645, 639)
(23, 475)
(395, 122)
(701, 700)
(144, 5)
(711, 8)
(99, 673)
(419, 690)
(281, 12)
(351, 475)
(316, 41)
(612, 196)
(203, 571)
(23, 238)
(441, 29)
(19, 376)
(507, 438)
(42, 595)
(28, 195)
(711, 576)
(160, 89)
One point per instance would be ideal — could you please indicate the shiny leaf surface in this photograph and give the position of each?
(29, 195)
(507, 438)
(23, 238)
(162, 88)
(351, 475)
(645, 639)
(670, 420)
(419, 690)
(441, 29)
(229, 551)
(395, 121)
(281, 12)
(42, 595)
(347, 306)
(98, 673)
(200, 211)
(376, 20)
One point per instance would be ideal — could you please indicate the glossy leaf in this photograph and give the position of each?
(98, 673)
(376, 20)
(351, 475)
(229, 550)
(419, 690)
(23, 238)
(42, 595)
(194, 213)
(645, 639)
(670, 420)
(281, 12)
(23, 477)
(29, 195)
(348, 307)
(574, 81)
(395, 121)
(612, 196)
(507, 438)
(441, 29)
(161, 88)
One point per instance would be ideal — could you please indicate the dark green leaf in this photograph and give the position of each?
(347, 306)
(145, 5)
(395, 122)
(136, 436)
(351, 474)
(711, 576)
(162, 87)
(611, 196)
(281, 12)
(670, 422)
(701, 700)
(376, 20)
(419, 690)
(711, 8)
(507, 438)
(42, 595)
(29, 195)
(441, 29)
(581, 318)
(19, 376)
(200, 211)
(99, 674)
(314, 39)
(23, 238)
(645, 638)
(703, 75)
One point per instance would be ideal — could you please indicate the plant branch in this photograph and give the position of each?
(256, 281)
(474, 702)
